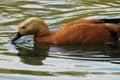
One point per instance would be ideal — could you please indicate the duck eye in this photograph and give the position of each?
(23, 27)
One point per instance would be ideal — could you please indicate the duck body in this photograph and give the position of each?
(81, 33)
(76, 32)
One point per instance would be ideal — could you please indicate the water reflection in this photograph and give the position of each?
(50, 57)
(36, 55)
(33, 56)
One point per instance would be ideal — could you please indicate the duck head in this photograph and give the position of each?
(32, 26)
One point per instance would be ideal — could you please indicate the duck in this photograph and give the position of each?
(83, 31)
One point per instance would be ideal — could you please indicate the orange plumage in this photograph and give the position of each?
(76, 32)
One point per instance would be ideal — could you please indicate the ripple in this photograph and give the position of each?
(73, 62)
(116, 62)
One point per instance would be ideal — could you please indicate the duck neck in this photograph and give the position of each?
(47, 39)
(42, 29)
(40, 33)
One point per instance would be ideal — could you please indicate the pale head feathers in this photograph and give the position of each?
(34, 26)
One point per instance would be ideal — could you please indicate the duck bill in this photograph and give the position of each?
(16, 37)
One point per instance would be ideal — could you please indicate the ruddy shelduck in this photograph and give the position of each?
(95, 31)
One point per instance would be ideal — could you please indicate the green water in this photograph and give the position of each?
(29, 61)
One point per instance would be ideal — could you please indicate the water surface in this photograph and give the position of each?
(29, 61)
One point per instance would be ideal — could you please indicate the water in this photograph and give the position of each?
(29, 61)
